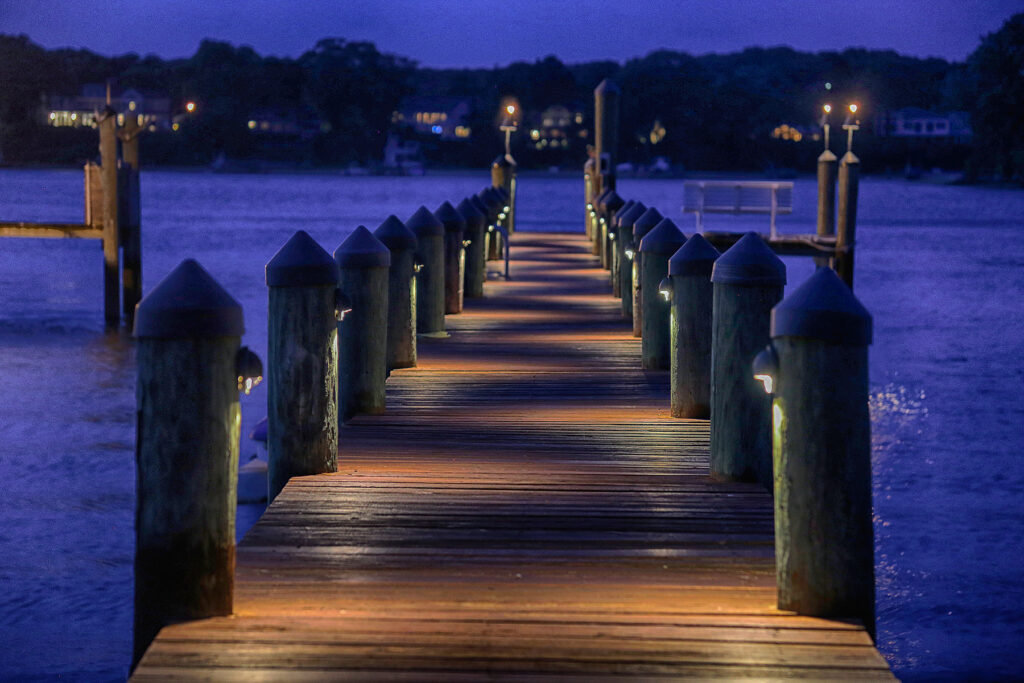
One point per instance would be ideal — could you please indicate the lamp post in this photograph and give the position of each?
(509, 126)
(849, 181)
(827, 171)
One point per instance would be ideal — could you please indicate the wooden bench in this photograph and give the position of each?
(736, 197)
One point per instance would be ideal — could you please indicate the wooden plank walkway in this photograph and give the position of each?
(525, 510)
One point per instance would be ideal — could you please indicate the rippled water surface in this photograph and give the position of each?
(940, 268)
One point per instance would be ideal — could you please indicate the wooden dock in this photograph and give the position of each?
(525, 510)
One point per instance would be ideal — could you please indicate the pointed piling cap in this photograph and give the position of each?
(645, 223)
(424, 224)
(823, 308)
(502, 193)
(503, 161)
(599, 199)
(450, 217)
(188, 304)
(627, 218)
(301, 262)
(695, 258)
(395, 235)
(490, 198)
(612, 201)
(749, 262)
(664, 238)
(362, 250)
(607, 86)
(472, 215)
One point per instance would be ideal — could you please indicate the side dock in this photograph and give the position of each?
(526, 508)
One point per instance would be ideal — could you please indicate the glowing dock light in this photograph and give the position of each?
(665, 288)
(511, 109)
(190, 107)
(827, 108)
(853, 108)
(342, 305)
(766, 366)
(629, 254)
(249, 369)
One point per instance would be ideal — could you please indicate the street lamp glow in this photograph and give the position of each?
(853, 108)
(190, 107)
(511, 109)
(827, 108)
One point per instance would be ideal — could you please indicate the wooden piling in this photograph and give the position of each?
(827, 170)
(846, 225)
(111, 230)
(611, 203)
(503, 177)
(454, 256)
(188, 331)
(474, 256)
(657, 246)
(302, 362)
(615, 237)
(363, 262)
(624, 245)
(130, 217)
(822, 451)
(430, 279)
(692, 295)
(748, 280)
(644, 224)
(606, 132)
(401, 242)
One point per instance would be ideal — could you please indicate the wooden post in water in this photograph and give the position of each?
(130, 218)
(188, 331)
(302, 362)
(430, 279)
(111, 229)
(624, 245)
(748, 280)
(363, 263)
(657, 246)
(692, 296)
(401, 241)
(822, 450)
(846, 228)
(644, 224)
(827, 169)
(474, 239)
(493, 203)
(454, 256)
(606, 133)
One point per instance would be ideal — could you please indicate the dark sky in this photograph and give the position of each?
(489, 32)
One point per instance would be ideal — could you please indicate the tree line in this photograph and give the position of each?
(713, 112)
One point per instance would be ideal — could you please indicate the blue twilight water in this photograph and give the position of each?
(940, 268)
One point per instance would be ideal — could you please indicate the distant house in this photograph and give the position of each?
(445, 117)
(555, 126)
(913, 122)
(284, 122)
(77, 111)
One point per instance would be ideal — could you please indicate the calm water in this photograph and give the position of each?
(941, 269)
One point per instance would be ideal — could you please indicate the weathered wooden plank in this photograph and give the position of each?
(49, 230)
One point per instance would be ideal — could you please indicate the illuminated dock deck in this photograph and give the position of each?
(526, 509)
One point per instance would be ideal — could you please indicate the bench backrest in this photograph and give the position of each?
(737, 196)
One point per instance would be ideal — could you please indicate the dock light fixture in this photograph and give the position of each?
(342, 305)
(826, 110)
(190, 107)
(629, 254)
(249, 369)
(466, 243)
(851, 124)
(765, 367)
(665, 288)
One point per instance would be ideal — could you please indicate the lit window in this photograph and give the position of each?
(462, 131)
(53, 116)
(535, 134)
(252, 125)
(131, 106)
(175, 126)
(264, 125)
(120, 119)
(140, 119)
(444, 117)
(74, 116)
(579, 118)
